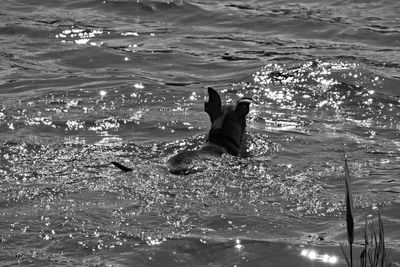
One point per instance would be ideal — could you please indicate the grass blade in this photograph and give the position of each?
(381, 240)
(363, 258)
(375, 243)
(364, 253)
(349, 209)
(345, 256)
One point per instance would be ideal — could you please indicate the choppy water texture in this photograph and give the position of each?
(87, 82)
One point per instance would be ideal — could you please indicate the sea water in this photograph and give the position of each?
(87, 82)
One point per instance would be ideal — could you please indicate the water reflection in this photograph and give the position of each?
(111, 141)
(80, 36)
(313, 255)
(238, 245)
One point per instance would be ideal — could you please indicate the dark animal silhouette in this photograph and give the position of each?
(228, 125)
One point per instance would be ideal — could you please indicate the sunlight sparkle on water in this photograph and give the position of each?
(80, 36)
(193, 97)
(313, 255)
(138, 86)
(154, 241)
(129, 34)
(238, 246)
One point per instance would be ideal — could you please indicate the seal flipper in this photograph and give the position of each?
(122, 167)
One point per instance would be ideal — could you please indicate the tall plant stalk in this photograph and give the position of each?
(349, 211)
(374, 253)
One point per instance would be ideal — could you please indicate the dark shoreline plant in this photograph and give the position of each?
(349, 213)
(374, 253)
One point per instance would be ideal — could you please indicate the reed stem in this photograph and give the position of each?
(374, 252)
(349, 209)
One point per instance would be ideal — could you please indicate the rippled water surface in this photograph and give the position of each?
(87, 82)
